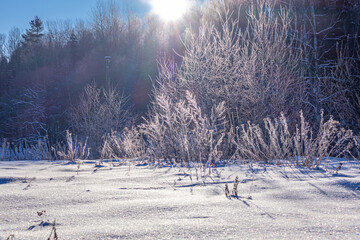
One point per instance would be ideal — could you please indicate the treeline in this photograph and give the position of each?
(44, 70)
(212, 82)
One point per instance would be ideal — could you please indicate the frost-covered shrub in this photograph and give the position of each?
(254, 67)
(74, 149)
(97, 114)
(180, 131)
(23, 150)
(129, 144)
(274, 141)
(357, 147)
(4, 150)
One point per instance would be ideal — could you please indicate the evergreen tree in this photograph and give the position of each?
(32, 51)
(35, 33)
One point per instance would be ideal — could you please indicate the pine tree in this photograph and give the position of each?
(32, 50)
(35, 33)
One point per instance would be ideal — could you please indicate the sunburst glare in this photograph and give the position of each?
(170, 10)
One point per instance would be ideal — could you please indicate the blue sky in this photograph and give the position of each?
(18, 13)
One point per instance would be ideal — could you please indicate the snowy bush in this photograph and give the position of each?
(74, 149)
(304, 147)
(129, 144)
(23, 150)
(255, 69)
(98, 113)
(181, 132)
(4, 150)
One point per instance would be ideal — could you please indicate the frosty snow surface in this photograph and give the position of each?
(146, 202)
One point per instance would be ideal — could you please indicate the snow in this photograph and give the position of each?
(145, 202)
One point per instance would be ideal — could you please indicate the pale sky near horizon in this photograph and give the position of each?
(18, 13)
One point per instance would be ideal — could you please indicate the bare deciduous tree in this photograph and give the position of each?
(107, 22)
(98, 113)
(254, 70)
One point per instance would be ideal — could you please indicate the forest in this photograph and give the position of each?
(259, 79)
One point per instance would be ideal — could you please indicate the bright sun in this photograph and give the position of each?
(170, 10)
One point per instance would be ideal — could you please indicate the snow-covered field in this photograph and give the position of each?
(165, 203)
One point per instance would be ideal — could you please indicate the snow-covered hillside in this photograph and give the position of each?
(166, 203)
